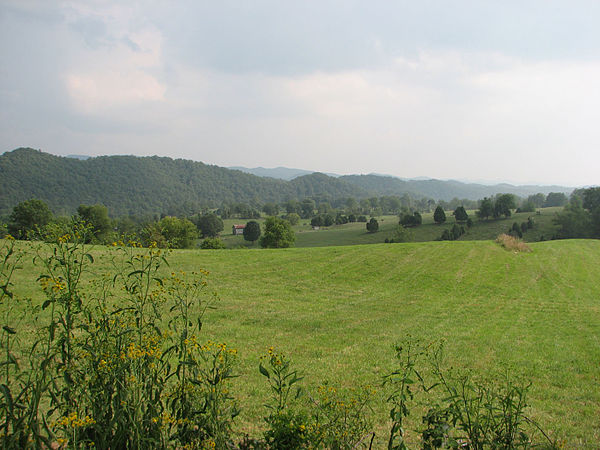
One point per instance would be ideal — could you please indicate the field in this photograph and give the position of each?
(356, 233)
(337, 311)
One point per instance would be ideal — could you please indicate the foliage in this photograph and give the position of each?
(252, 231)
(460, 214)
(170, 232)
(372, 225)
(278, 233)
(27, 217)
(486, 208)
(403, 235)
(97, 217)
(439, 215)
(411, 220)
(503, 205)
(210, 225)
(527, 206)
(453, 234)
(212, 244)
(555, 199)
(292, 218)
(403, 381)
(512, 243)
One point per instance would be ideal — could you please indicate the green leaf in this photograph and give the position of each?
(264, 371)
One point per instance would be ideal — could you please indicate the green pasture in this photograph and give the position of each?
(356, 233)
(337, 311)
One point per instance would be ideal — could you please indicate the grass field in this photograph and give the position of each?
(337, 311)
(356, 233)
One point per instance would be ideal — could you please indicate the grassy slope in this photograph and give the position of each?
(338, 310)
(356, 233)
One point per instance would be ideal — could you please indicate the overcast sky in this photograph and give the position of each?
(479, 90)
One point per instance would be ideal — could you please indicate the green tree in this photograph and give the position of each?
(372, 225)
(97, 217)
(537, 199)
(270, 209)
(486, 208)
(307, 208)
(172, 231)
(292, 218)
(252, 231)
(278, 233)
(439, 216)
(555, 199)
(210, 225)
(28, 216)
(460, 214)
(503, 205)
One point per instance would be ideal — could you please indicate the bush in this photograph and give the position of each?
(212, 244)
(278, 234)
(512, 243)
(372, 225)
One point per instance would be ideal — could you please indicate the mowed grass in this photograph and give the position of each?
(337, 311)
(356, 233)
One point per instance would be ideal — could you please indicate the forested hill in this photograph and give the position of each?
(131, 185)
(443, 189)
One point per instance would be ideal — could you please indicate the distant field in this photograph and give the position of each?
(356, 233)
(338, 310)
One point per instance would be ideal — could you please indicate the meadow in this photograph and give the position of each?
(337, 312)
(356, 233)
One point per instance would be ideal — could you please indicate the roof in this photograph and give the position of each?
(237, 227)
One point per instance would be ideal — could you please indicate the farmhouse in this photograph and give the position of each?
(238, 229)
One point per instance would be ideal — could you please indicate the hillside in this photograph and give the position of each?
(443, 190)
(534, 314)
(145, 185)
(131, 185)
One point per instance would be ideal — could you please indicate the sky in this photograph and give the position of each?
(472, 90)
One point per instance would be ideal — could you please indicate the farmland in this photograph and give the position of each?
(337, 311)
(356, 233)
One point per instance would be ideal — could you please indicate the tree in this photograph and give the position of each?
(486, 208)
(537, 199)
(555, 199)
(292, 218)
(503, 205)
(210, 225)
(307, 208)
(278, 233)
(460, 214)
(28, 216)
(411, 220)
(97, 217)
(439, 216)
(252, 231)
(270, 209)
(178, 233)
(372, 225)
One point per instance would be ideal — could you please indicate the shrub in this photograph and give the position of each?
(372, 225)
(212, 244)
(512, 243)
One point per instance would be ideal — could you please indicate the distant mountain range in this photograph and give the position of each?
(132, 185)
(281, 173)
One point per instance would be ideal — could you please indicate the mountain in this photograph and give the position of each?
(282, 173)
(443, 189)
(132, 185)
(153, 185)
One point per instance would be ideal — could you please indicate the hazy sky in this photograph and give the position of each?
(492, 90)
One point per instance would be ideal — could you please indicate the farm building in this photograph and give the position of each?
(238, 229)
